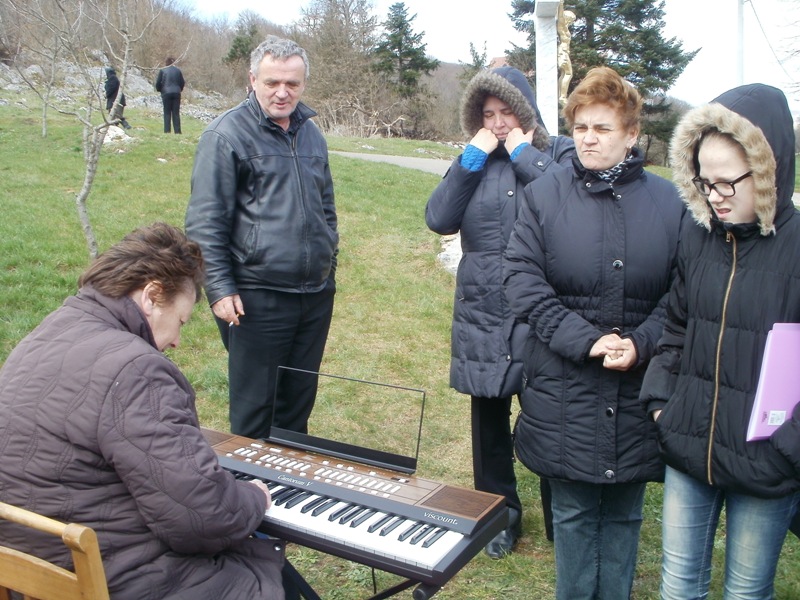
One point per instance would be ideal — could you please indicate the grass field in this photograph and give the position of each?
(391, 322)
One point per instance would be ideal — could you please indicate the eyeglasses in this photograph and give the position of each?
(725, 189)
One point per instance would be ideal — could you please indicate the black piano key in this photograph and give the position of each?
(409, 532)
(284, 493)
(324, 506)
(338, 513)
(362, 518)
(431, 540)
(379, 523)
(422, 534)
(351, 514)
(314, 503)
(392, 526)
(286, 497)
(298, 499)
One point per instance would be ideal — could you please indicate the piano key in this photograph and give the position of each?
(285, 493)
(410, 531)
(314, 503)
(363, 517)
(432, 540)
(303, 495)
(380, 523)
(324, 507)
(336, 514)
(392, 526)
(422, 534)
(351, 514)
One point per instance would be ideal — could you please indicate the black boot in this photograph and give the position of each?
(505, 541)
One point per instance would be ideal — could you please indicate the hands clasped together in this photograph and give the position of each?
(618, 353)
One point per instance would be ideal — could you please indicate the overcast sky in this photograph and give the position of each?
(771, 32)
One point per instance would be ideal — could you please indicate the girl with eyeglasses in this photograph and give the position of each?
(738, 274)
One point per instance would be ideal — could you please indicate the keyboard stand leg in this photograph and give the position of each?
(424, 591)
(295, 585)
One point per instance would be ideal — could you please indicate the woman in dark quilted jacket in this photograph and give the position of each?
(738, 274)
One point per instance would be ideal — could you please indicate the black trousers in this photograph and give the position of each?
(493, 449)
(493, 456)
(172, 112)
(277, 329)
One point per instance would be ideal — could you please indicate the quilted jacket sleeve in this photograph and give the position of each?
(148, 432)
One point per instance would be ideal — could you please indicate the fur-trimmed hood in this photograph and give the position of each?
(758, 117)
(511, 86)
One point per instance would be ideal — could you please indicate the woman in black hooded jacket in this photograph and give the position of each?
(738, 274)
(480, 197)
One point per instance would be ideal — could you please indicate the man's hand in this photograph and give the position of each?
(229, 309)
(485, 140)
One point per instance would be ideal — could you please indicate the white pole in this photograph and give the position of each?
(547, 62)
(740, 58)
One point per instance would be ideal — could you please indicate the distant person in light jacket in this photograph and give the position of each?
(738, 274)
(170, 83)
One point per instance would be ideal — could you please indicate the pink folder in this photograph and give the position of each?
(778, 389)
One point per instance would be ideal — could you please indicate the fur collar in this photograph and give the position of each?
(511, 87)
(757, 149)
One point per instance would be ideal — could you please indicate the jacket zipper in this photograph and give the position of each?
(302, 201)
(732, 240)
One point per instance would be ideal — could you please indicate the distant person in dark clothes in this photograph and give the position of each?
(112, 89)
(170, 83)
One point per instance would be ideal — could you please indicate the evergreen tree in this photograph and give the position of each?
(478, 64)
(625, 35)
(400, 53)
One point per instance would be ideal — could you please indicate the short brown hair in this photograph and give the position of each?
(158, 253)
(603, 85)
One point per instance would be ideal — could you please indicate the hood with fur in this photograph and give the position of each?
(758, 117)
(511, 86)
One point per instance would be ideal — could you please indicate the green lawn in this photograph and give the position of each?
(391, 323)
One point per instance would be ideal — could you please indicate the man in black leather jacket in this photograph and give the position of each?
(262, 209)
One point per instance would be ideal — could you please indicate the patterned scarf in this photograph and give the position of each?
(612, 174)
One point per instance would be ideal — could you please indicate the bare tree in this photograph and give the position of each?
(339, 36)
(80, 32)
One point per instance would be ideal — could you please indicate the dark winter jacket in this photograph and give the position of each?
(112, 88)
(482, 205)
(170, 81)
(99, 427)
(262, 205)
(587, 259)
(734, 282)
